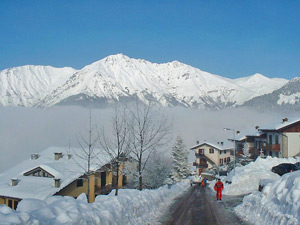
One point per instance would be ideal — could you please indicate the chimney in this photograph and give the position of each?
(256, 127)
(218, 142)
(285, 120)
(197, 142)
(57, 182)
(222, 143)
(14, 181)
(34, 156)
(57, 155)
(238, 132)
(69, 156)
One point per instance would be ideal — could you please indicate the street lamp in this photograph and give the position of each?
(233, 145)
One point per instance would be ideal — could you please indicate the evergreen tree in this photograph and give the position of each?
(181, 168)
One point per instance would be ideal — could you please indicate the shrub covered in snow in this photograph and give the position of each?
(245, 179)
(130, 207)
(277, 204)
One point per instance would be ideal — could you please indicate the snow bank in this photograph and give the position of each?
(130, 207)
(277, 204)
(245, 179)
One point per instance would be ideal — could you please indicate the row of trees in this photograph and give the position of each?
(138, 130)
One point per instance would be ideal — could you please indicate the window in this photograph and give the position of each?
(225, 153)
(276, 140)
(224, 160)
(124, 181)
(220, 152)
(228, 159)
(211, 150)
(270, 139)
(79, 183)
(10, 202)
(38, 172)
(15, 204)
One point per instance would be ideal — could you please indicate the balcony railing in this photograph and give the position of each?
(199, 155)
(201, 165)
(270, 147)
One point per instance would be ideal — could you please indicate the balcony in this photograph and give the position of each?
(270, 147)
(201, 166)
(199, 155)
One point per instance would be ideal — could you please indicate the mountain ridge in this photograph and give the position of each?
(118, 77)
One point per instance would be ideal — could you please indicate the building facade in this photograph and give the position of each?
(211, 154)
(279, 140)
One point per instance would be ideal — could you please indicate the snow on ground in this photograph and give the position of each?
(245, 179)
(130, 207)
(277, 204)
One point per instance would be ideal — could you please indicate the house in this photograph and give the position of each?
(251, 144)
(56, 171)
(282, 140)
(209, 154)
(278, 140)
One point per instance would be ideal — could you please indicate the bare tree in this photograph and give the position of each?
(87, 151)
(157, 170)
(118, 146)
(150, 129)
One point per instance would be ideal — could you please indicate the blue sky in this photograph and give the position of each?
(229, 38)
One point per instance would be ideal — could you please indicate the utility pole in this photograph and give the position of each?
(233, 147)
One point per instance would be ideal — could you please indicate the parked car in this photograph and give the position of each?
(284, 168)
(297, 164)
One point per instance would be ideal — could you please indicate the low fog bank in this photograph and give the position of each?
(26, 130)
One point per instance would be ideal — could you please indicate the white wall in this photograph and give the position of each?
(293, 143)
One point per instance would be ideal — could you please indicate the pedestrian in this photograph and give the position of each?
(205, 181)
(202, 183)
(219, 186)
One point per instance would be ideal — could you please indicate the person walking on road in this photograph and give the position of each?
(219, 186)
(202, 182)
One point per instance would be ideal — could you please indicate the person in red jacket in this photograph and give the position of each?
(218, 188)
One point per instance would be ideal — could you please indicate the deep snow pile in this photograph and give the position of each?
(245, 179)
(130, 207)
(277, 204)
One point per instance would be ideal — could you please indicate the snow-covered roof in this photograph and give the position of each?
(66, 169)
(217, 145)
(253, 133)
(281, 125)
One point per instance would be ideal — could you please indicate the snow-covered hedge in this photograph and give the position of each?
(246, 179)
(130, 207)
(278, 204)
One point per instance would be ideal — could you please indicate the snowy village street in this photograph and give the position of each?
(199, 206)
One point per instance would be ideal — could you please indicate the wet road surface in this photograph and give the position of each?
(199, 206)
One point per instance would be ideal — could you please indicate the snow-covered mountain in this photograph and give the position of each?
(28, 85)
(259, 84)
(120, 78)
(287, 97)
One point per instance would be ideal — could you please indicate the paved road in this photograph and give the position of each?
(199, 206)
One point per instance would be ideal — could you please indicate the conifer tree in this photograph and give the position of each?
(181, 168)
